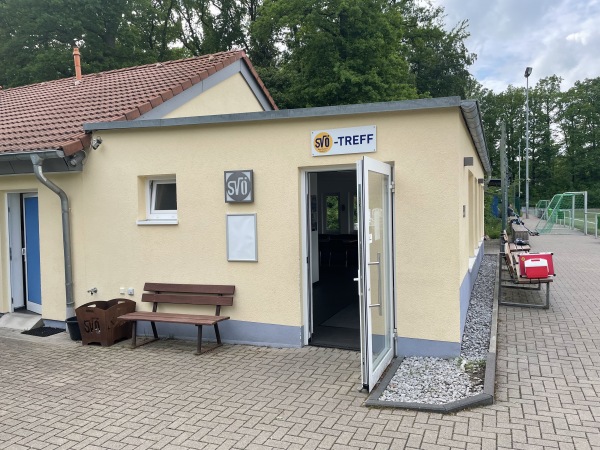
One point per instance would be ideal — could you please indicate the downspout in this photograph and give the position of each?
(66, 228)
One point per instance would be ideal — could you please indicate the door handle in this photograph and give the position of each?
(378, 264)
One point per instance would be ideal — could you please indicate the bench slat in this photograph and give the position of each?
(215, 289)
(191, 319)
(519, 248)
(534, 280)
(188, 299)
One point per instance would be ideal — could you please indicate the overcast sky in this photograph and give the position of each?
(555, 37)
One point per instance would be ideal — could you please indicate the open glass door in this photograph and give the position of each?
(375, 268)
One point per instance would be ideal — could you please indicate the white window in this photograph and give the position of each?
(161, 201)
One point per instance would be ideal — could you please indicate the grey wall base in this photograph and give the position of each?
(55, 324)
(256, 333)
(424, 347)
(232, 332)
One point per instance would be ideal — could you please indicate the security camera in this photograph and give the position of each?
(96, 142)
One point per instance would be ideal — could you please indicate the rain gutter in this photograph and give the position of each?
(472, 115)
(469, 109)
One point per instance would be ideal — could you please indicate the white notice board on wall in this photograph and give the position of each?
(241, 237)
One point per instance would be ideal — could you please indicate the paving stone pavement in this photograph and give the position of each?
(55, 394)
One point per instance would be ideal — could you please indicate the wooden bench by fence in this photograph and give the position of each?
(518, 232)
(511, 259)
(513, 246)
(182, 294)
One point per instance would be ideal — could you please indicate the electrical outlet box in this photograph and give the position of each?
(121, 290)
(130, 291)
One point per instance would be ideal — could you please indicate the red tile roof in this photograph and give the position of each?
(51, 115)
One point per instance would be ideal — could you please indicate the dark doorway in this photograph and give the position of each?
(335, 302)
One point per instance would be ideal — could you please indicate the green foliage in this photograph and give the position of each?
(544, 104)
(492, 225)
(331, 52)
(213, 26)
(438, 59)
(579, 119)
(564, 135)
(332, 219)
(37, 36)
(308, 52)
(475, 365)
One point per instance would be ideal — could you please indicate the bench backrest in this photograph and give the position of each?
(189, 294)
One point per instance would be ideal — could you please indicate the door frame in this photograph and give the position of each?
(14, 234)
(305, 242)
(306, 276)
(17, 285)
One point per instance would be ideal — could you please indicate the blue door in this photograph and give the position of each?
(32, 254)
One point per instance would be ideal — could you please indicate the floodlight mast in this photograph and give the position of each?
(519, 173)
(527, 73)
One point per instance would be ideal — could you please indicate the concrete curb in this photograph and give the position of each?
(482, 399)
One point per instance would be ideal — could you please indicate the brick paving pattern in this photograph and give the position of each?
(58, 395)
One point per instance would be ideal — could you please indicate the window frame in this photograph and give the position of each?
(326, 209)
(152, 214)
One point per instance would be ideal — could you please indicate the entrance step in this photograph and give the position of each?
(21, 321)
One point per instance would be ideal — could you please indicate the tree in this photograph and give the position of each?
(309, 52)
(438, 59)
(331, 52)
(213, 26)
(544, 102)
(36, 38)
(578, 165)
(508, 108)
(564, 135)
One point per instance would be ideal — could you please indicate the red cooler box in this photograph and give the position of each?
(536, 268)
(525, 256)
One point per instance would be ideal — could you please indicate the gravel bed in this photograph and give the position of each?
(438, 381)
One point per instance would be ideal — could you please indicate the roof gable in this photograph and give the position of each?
(51, 115)
(233, 89)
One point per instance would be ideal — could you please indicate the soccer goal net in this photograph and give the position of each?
(566, 212)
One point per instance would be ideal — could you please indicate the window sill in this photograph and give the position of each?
(158, 222)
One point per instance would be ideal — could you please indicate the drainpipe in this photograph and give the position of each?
(64, 203)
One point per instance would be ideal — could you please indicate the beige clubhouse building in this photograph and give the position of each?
(357, 226)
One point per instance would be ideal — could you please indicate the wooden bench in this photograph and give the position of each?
(182, 294)
(512, 246)
(511, 259)
(519, 232)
